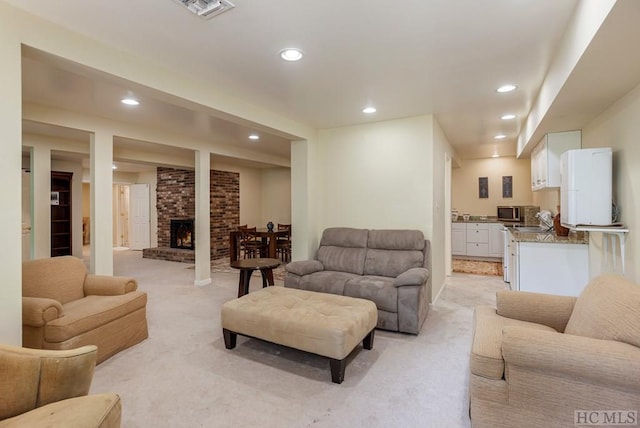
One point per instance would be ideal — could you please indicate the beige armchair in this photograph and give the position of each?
(539, 360)
(41, 388)
(63, 307)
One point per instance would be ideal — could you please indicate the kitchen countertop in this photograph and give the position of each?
(477, 219)
(550, 237)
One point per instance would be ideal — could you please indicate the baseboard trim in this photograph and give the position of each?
(202, 282)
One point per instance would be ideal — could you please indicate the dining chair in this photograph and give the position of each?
(283, 243)
(251, 244)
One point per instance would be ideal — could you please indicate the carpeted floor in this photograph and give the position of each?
(182, 376)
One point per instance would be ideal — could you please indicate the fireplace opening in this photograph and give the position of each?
(182, 234)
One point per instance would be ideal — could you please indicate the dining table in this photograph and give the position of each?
(267, 236)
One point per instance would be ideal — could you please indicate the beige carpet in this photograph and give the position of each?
(182, 376)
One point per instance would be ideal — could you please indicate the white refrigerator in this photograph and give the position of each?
(586, 187)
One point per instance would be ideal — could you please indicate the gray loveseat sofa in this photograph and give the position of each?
(388, 267)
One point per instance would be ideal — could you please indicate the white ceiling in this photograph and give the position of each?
(408, 58)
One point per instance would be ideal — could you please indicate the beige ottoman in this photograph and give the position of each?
(325, 324)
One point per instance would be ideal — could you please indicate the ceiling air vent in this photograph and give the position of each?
(207, 8)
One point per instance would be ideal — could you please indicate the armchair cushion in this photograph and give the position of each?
(101, 285)
(608, 308)
(91, 312)
(43, 388)
(91, 411)
(414, 276)
(486, 352)
(304, 267)
(58, 278)
(32, 378)
(602, 362)
(547, 309)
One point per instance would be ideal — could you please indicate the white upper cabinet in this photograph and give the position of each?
(545, 158)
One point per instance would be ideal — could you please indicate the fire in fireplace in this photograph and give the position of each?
(182, 234)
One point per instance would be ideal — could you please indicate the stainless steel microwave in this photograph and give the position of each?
(510, 213)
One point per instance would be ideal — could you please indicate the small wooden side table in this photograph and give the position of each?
(247, 266)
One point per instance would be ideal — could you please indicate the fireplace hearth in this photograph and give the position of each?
(182, 234)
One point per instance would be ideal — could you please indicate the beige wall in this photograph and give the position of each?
(276, 195)
(464, 184)
(619, 128)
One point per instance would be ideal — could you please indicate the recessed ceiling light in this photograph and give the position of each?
(500, 137)
(507, 88)
(254, 137)
(130, 101)
(113, 166)
(291, 54)
(508, 116)
(369, 110)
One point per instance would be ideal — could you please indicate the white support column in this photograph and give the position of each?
(101, 223)
(40, 202)
(203, 218)
(303, 194)
(10, 188)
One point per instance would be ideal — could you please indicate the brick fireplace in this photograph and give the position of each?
(175, 200)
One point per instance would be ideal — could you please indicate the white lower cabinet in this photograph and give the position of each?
(496, 240)
(458, 239)
(550, 268)
(477, 239)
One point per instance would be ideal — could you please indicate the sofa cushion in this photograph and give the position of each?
(396, 240)
(486, 350)
(326, 281)
(392, 252)
(57, 278)
(378, 289)
(391, 263)
(608, 308)
(343, 249)
(344, 237)
(90, 312)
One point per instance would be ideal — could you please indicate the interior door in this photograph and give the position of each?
(139, 216)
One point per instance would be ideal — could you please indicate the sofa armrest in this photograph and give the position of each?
(304, 267)
(37, 311)
(102, 285)
(413, 276)
(546, 309)
(602, 362)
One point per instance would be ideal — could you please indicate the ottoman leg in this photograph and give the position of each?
(229, 338)
(337, 369)
(367, 342)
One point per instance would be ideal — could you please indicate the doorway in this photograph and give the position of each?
(121, 216)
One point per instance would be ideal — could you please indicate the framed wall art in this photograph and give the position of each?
(507, 186)
(483, 187)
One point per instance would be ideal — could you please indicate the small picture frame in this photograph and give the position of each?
(483, 187)
(507, 186)
(55, 198)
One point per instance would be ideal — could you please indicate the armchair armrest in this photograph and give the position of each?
(102, 285)
(304, 267)
(37, 311)
(603, 362)
(413, 276)
(547, 309)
